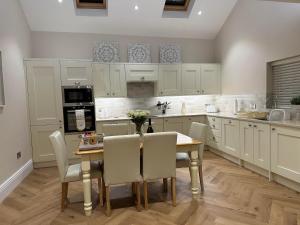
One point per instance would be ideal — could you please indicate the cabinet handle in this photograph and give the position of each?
(161, 92)
(254, 126)
(77, 83)
(60, 121)
(113, 94)
(250, 125)
(213, 126)
(229, 121)
(198, 91)
(142, 78)
(202, 91)
(273, 129)
(213, 119)
(107, 94)
(60, 127)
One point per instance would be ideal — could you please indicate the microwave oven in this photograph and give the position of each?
(78, 95)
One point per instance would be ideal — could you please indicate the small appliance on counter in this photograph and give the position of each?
(79, 109)
(210, 108)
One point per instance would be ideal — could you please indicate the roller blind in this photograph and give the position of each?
(285, 81)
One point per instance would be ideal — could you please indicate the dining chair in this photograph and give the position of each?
(122, 164)
(115, 129)
(197, 131)
(159, 160)
(71, 173)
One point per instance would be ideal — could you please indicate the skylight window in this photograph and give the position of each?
(91, 4)
(176, 5)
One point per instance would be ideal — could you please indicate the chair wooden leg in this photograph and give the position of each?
(100, 191)
(165, 186)
(108, 209)
(133, 187)
(173, 184)
(138, 196)
(64, 195)
(201, 178)
(146, 194)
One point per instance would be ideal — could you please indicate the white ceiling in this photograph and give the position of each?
(49, 15)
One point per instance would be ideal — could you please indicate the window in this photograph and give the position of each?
(91, 4)
(176, 5)
(2, 99)
(283, 81)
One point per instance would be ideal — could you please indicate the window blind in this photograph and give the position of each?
(285, 81)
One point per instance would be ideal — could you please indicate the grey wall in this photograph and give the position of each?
(14, 125)
(255, 33)
(76, 45)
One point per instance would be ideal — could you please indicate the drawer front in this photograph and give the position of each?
(215, 142)
(231, 121)
(214, 133)
(215, 123)
(174, 119)
(99, 125)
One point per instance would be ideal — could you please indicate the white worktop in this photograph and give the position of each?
(287, 123)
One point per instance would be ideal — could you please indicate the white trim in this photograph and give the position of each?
(13, 181)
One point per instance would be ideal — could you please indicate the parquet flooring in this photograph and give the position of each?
(233, 196)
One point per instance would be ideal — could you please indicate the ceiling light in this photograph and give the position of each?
(200, 12)
(136, 7)
(60, 1)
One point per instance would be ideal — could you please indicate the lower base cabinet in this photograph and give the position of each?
(188, 120)
(285, 152)
(231, 137)
(174, 124)
(41, 145)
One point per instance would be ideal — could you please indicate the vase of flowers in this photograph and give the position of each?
(138, 117)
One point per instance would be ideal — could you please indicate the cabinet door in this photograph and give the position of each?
(169, 81)
(141, 72)
(285, 152)
(76, 72)
(247, 141)
(187, 122)
(41, 146)
(191, 79)
(99, 125)
(211, 79)
(174, 124)
(72, 142)
(101, 80)
(262, 145)
(231, 137)
(44, 92)
(117, 80)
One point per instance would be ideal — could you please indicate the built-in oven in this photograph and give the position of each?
(78, 95)
(71, 120)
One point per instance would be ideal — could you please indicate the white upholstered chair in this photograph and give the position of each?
(197, 131)
(115, 129)
(122, 164)
(71, 173)
(159, 160)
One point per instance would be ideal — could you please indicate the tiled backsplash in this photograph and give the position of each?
(116, 107)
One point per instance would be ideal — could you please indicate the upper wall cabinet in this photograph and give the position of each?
(44, 92)
(141, 72)
(191, 79)
(169, 80)
(109, 80)
(211, 79)
(75, 72)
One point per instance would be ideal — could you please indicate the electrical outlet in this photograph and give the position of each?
(19, 155)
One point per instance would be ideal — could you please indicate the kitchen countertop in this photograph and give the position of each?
(286, 123)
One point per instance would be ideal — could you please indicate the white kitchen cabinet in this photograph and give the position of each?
(247, 141)
(141, 72)
(211, 79)
(41, 145)
(169, 80)
(101, 80)
(285, 152)
(174, 124)
(76, 72)
(44, 92)
(231, 137)
(117, 80)
(214, 133)
(72, 143)
(188, 120)
(191, 79)
(262, 146)
(99, 125)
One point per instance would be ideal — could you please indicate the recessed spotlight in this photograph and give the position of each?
(136, 7)
(60, 1)
(200, 13)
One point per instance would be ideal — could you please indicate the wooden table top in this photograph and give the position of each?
(182, 140)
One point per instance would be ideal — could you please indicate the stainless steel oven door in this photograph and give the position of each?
(78, 95)
(70, 124)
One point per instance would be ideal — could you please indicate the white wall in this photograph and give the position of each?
(14, 126)
(76, 45)
(256, 32)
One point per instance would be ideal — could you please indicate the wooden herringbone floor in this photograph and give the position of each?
(233, 196)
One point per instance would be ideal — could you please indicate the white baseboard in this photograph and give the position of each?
(13, 181)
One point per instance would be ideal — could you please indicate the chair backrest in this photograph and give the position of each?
(115, 129)
(159, 155)
(198, 131)
(121, 159)
(61, 153)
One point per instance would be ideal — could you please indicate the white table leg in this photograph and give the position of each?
(194, 170)
(86, 175)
